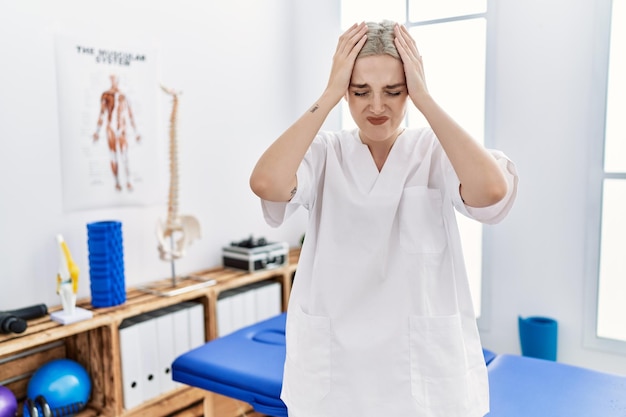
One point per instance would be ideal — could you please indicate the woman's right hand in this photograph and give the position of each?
(274, 176)
(348, 47)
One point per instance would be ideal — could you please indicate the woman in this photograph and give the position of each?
(380, 320)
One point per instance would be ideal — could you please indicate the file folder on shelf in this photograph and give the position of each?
(240, 307)
(131, 364)
(147, 332)
(224, 309)
(150, 342)
(165, 349)
(196, 325)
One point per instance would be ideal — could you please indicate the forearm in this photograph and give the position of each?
(482, 181)
(274, 176)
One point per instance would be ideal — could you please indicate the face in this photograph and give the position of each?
(377, 97)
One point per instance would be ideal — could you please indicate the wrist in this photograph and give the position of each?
(329, 99)
(425, 103)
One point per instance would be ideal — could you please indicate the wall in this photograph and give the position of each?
(232, 60)
(247, 69)
(543, 88)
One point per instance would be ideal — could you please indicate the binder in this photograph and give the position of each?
(179, 332)
(180, 329)
(249, 306)
(224, 309)
(268, 300)
(147, 331)
(165, 348)
(238, 308)
(275, 296)
(130, 353)
(196, 325)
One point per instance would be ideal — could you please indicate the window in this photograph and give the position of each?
(611, 271)
(450, 34)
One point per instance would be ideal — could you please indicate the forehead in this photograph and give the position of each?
(378, 70)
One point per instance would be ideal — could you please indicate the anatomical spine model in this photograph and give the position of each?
(178, 231)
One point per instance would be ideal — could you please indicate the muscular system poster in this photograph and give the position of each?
(107, 102)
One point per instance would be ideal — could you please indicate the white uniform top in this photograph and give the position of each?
(380, 320)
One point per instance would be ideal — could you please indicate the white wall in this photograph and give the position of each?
(542, 92)
(247, 69)
(233, 62)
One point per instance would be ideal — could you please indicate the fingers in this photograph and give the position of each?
(355, 36)
(348, 48)
(406, 45)
(412, 62)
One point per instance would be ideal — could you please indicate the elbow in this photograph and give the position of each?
(489, 194)
(259, 185)
(270, 186)
(495, 189)
(496, 192)
(266, 187)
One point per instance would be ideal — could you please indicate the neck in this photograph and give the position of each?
(380, 150)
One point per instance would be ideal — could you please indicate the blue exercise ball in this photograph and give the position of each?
(62, 382)
(8, 402)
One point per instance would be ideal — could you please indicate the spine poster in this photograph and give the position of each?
(108, 105)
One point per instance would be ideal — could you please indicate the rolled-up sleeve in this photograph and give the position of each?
(275, 213)
(496, 212)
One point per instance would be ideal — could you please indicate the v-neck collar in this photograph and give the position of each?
(369, 175)
(357, 136)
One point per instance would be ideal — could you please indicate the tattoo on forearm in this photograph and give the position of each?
(314, 108)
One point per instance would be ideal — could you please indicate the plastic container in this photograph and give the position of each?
(538, 337)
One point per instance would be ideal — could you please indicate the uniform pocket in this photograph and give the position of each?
(307, 366)
(439, 371)
(420, 218)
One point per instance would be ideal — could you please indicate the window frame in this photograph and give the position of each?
(596, 178)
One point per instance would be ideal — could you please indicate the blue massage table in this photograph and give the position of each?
(248, 365)
(521, 386)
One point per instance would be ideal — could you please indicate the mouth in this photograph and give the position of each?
(377, 120)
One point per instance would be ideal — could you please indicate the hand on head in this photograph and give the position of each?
(348, 47)
(350, 44)
(412, 62)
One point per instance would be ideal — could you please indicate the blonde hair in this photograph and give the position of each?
(380, 37)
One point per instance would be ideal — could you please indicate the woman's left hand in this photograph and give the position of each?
(413, 65)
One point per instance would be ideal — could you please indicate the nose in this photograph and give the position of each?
(377, 105)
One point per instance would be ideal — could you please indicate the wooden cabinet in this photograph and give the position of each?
(94, 343)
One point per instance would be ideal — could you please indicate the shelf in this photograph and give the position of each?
(94, 343)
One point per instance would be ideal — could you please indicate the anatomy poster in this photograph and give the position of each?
(107, 98)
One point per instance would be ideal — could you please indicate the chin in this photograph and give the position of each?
(377, 133)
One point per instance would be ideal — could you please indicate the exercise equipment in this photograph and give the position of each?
(59, 388)
(8, 402)
(38, 407)
(14, 321)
